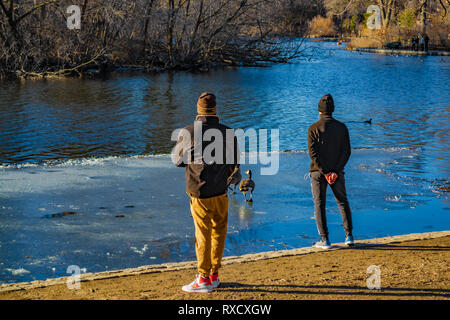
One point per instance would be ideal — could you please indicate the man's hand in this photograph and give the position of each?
(331, 177)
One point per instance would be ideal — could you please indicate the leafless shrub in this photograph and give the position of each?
(155, 34)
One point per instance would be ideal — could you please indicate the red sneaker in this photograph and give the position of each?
(214, 278)
(200, 284)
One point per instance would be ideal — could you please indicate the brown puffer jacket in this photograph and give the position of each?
(205, 180)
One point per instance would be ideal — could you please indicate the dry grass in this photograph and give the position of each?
(437, 30)
(322, 27)
(365, 43)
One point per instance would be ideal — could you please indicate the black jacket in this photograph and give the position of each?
(328, 145)
(205, 180)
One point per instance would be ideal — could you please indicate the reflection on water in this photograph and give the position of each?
(130, 211)
(245, 213)
(407, 98)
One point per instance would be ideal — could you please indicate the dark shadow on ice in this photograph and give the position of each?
(60, 214)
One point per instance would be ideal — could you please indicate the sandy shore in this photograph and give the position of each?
(414, 266)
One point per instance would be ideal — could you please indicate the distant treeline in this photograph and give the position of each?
(187, 34)
(400, 21)
(154, 34)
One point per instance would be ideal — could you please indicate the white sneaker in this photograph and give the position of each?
(349, 241)
(200, 284)
(324, 244)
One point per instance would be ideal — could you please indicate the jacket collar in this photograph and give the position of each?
(325, 116)
(207, 119)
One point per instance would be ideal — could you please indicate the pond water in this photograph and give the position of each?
(99, 149)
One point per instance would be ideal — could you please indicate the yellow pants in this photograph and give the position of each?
(211, 221)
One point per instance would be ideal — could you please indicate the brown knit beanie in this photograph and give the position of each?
(206, 105)
(326, 104)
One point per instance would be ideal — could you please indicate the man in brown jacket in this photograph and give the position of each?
(329, 149)
(209, 152)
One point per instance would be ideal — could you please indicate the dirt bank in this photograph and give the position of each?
(410, 269)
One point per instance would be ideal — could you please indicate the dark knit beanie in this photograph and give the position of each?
(326, 104)
(206, 105)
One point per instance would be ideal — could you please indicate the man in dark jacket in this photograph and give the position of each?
(426, 40)
(209, 152)
(414, 43)
(329, 149)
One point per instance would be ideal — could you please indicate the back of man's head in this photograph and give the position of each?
(206, 104)
(326, 104)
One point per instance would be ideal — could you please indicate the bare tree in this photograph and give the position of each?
(387, 8)
(155, 34)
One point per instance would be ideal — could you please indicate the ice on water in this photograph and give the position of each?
(118, 212)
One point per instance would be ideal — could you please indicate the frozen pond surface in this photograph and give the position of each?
(85, 178)
(131, 211)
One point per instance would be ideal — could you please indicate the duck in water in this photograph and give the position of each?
(365, 121)
(247, 185)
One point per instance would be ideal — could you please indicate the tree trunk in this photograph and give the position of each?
(423, 16)
(170, 27)
(197, 25)
(147, 22)
(83, 11)
(386, 7)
